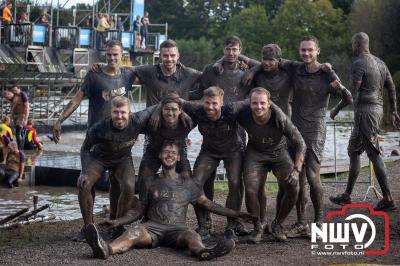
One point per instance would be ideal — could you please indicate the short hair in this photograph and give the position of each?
(260, 90)
(120, 101)
(168, 44)
(15, 86)
(169, 142)
(172, 98)
(232, 40)
(271, 50)
(213, 91)
(310, 38)
(113, 43)
(360, 40)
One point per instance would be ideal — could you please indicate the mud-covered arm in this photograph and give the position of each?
(239, 106)
(211, 206)
(136, 212)
(191, 109)
(249, 61)
(195, 93)
(143, 117)
(344, 94)
(389, 85)
(68, 110)
(88, 143)
(296, 140)
(203, 82)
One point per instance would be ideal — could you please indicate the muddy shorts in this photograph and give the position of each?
(364, 136)
(164, 234)
(278, 160)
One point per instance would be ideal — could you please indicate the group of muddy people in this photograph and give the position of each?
(255, 116)
(16, 134)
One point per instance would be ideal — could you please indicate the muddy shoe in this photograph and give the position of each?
(298, 230)
(256, 237)
(101, 249)
(385, 205)
(277, 232)
(266, 228)
(221, 249)
(230, 234)
(341, 199)
(204, 233)
(240, 230)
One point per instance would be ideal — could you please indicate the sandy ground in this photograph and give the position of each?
(50, 244)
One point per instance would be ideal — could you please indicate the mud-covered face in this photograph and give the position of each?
(309, 52)
(270, 64)
(114, 56)
(169, 57)
(259, 104)
(169, 156)
(170, 113)
(120, 116)
(212, 106)
(231, 53)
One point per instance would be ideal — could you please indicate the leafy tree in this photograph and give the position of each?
(253, 28)
(196, 53)
(297, 18)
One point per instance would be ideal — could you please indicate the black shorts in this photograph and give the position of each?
(164, 234)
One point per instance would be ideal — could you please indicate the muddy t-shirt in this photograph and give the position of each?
(112, 145)
(18, 103)
(167, 199)
(272, 135)
(279, 84)
(158, 86)
(220, 136)
(229, 81)
(310, 101)
(374, 75)
(100, 88)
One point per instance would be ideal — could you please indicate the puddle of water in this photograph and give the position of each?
(63, 201)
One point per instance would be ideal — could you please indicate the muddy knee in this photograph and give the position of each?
(84, 183)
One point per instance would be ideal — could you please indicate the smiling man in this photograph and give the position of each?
(164, 200)
(269, 129)
(221, 142)
(169, 75)
(107, 146)
(312, 89)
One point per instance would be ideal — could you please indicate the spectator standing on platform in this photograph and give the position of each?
(23, 18)
(144, 29)
(102, 26)
(120, 25)
(7, 15)
(45, 18)
(136, 28)
(15, 166)
(111, 21)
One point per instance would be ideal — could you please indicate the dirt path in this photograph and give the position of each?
(49, 244)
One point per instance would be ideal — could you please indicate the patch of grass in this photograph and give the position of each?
(222, 186)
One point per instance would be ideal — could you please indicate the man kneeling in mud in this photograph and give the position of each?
(164, 200)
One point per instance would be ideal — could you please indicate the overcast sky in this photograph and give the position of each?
(62, 2)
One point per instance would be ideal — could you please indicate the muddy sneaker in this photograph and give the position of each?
(298, 230)
(266, 228)
(204, 233)
(101, 249)
(277, 232)
(341, 199)
(256, 237)
(385, 205)
(230, 234)
(240, 230)
(221, 249)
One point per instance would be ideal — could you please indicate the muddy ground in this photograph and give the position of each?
(50, 244)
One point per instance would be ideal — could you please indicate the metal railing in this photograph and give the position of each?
(66, 37)
(18, 34)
